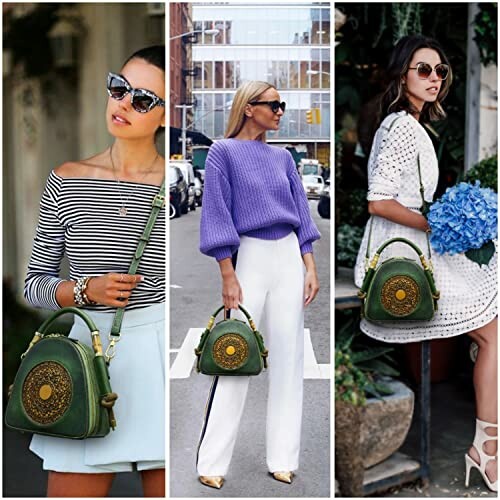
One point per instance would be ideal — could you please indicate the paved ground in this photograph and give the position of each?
(191, 306)
(452, 432)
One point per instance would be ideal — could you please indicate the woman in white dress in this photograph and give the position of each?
(420, 79)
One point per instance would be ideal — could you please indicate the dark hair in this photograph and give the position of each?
(155, 55)
(394, 98)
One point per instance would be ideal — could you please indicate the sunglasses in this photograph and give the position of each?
(274, 105)
(424, 70)
(142, 100)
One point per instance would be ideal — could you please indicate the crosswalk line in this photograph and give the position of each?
(185, 358)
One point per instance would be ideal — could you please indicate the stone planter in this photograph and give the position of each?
(385, 423)
(349, 470)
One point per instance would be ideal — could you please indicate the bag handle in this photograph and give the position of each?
(260, 341)
(115, 334)
(42, 331)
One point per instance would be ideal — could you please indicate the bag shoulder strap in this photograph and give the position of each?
(421, 189)
(157, 204)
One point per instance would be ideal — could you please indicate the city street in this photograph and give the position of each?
(195, 293)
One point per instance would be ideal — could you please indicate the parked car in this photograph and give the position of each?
(324, 202)
(188, 173)
(178, 191)
(313, 185)
(198, 187)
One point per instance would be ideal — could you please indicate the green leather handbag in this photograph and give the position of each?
(62, 387)
(231, 347)
(399, 288)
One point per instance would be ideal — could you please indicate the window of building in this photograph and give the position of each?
(219, 74)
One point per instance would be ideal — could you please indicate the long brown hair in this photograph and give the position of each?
(395, 98)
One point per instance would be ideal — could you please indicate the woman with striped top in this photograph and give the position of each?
(94, 211)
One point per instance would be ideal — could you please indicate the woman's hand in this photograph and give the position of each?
(231, 289)
(311, 286)
(311, 282)
(112, 289)
(232, 295)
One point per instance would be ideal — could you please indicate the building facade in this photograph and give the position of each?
(285, 45)
(180, 59)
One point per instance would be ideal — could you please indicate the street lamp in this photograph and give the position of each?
(207, 32)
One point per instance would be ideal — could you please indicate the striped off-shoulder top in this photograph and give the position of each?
(80, 217)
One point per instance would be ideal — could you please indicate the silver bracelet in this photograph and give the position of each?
(80, 297)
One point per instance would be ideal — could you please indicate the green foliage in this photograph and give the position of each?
(406, 19)
(483, 255)
(485, 29)
(355, 208)
(486, 171)
(359, 366)
(348, 242)
(350, 381)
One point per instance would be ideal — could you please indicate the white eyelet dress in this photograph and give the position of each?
(468, 291)
(80, 217)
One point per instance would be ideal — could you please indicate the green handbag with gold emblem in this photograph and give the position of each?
(231, 347)
(399, 288)
(62, 387)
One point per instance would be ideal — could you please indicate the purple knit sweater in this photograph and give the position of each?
(253, 189)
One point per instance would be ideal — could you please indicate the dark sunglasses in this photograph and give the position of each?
(424, 70)
(274, 105)
(142, 100)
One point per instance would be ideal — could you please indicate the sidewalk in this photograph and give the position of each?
(452, 432)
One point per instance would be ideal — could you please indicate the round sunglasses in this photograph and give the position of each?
(142, 100)
(274, 105)
(424, 70)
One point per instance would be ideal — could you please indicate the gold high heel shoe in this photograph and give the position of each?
(283, 476)
(212, 481)
(479, 439)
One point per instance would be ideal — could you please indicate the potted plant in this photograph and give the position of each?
(350, 384)
(366, 394)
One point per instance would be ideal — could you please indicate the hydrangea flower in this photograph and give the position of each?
(464, 218)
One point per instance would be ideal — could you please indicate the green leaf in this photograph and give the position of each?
(383, 389)
(377, 366)
(481, 255)
(370, 353)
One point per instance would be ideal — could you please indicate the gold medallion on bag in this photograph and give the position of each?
(47, 392)
(230, 351)
(400, 295)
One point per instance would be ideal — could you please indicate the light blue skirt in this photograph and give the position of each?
(137, 374)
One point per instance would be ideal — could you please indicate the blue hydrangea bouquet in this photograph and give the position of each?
(464, 219)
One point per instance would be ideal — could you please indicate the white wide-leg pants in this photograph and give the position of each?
(271, 275)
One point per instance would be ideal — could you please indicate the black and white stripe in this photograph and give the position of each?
(79, 217)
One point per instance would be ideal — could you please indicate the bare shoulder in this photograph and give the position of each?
(90, 167)
(69, 169)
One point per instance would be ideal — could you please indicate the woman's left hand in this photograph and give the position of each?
(311, 286)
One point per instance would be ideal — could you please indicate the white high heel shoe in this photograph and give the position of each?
(479, 439)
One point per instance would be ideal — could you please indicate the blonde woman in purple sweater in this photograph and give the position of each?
(254, 203)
